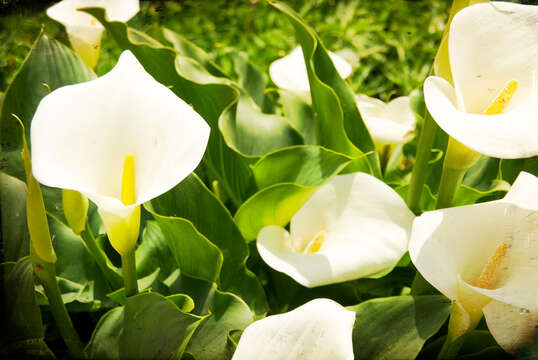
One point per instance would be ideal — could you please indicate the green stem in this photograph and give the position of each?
(450, 182)
(418, 177)
(46, 272)
(113, 278)
(128, 266)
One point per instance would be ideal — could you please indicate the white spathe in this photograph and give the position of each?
(80, 135)
(289, 72)
(451, 247)
(489, 45)
(83, 30)
(318, 330)
(388, 123)
(364, 226)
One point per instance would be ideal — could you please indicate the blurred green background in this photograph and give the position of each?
(391, 43)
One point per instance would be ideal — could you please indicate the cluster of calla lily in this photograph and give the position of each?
(124, 139)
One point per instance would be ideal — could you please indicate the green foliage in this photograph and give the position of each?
(412, 321)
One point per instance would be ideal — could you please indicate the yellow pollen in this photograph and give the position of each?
(128, 181)
(93, 22)
(486, 280)
(497, 105)
(315, 244)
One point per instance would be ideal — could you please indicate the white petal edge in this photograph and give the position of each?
(289, 72)
(66, 11)
(511, 326)
(449, 243)
(366, 225)
(81, 133)
(490, 44)
(389, 123)
(318, 330)
(508, 135)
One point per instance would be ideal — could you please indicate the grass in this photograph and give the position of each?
(390, 43)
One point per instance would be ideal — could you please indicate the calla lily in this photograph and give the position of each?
(493, 56)
(83, 30)
(120, 140)
(489, 251)
(391, 123)
(352, 227)
(289, 73)
(320, 329)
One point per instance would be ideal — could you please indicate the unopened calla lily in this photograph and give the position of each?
(485, 258)
(388, 123)
(289, 72)
(320, 329)
(352, 227)
(120, 140)
(491, 108)
(83, 30)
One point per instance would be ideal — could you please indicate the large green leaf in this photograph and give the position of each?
(149, 326)
(15, 238)
(397, 327)
(22, 327)
(192, 201)
(253, 133)
(194, 253)
(249, 78)
(49, 65)
(287, 178)
(338, 123)
(226, 312)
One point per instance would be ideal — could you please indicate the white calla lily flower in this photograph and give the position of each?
(320, 329)
(489, 251)
(289, 72)
(493, 52)
(83, 30)
(388, 123)
(352, 227)
(120, 140)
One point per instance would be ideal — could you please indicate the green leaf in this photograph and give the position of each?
(48, 66)
(427, 200)
(15, 237)
(225, 313)
(288, 177)
(339, 125)
(186, 48)
(228, 313)
(305, 165)
(299, 114)
(192, 201)
(149, 326)
(251, 79)
(252, 133)
(397, 327)
(194, 253)
(510, 168)
(22, 319)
